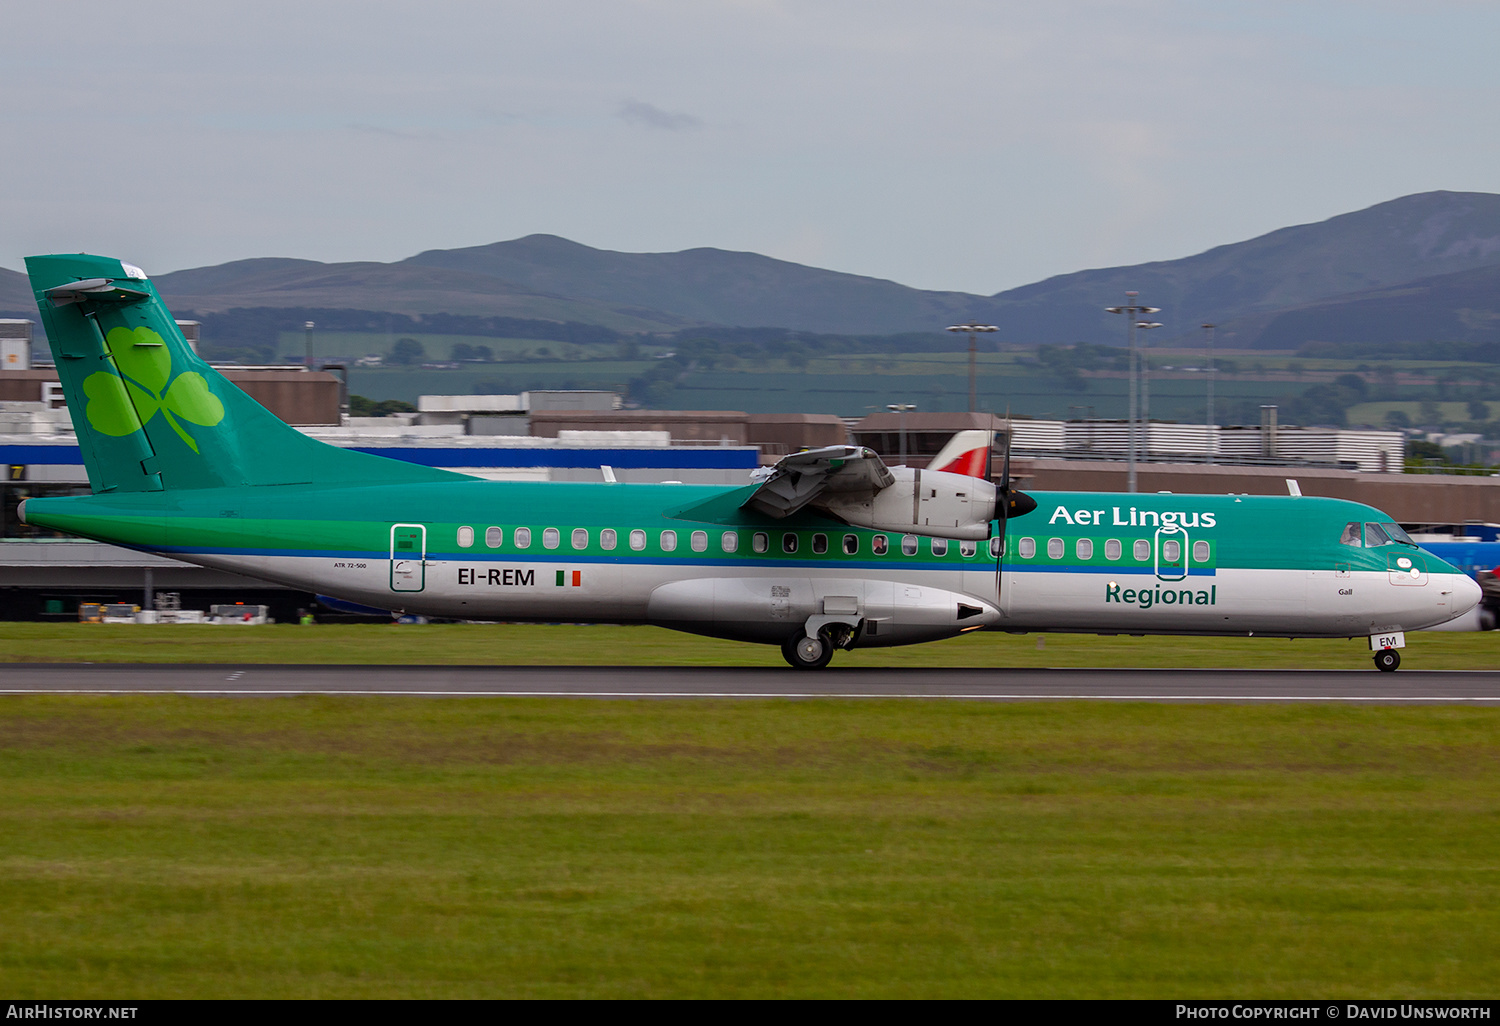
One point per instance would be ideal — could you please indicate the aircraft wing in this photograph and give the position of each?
(848, 471)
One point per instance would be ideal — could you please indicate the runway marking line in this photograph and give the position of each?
(747, 694)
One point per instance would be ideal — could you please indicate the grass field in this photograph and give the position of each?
(388, 847)
(189, 847)
(851, 383)
(353, 344)
(1375, 413)
(593, 645)
(580, 645)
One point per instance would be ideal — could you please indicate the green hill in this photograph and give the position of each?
(398, 288)
(1460, 311)
(15, 292)
(713, 286)
(1329, 281)
(1415, 237)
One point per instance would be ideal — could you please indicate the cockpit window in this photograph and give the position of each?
(1375, 537)
(1396, 534)
(1350, 535)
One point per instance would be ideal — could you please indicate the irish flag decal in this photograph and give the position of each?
(563, 579)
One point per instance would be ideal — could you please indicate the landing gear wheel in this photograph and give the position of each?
(804, 653)
(1387, 659)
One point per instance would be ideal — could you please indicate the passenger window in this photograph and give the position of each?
(880, 544)
(789, 542)
(551, 538)
(607, 538)
(669, 541)
(1054, 548)
(523, 537)
(908, 545)
(638, 540)
(1027, 548)
(1375, 536)
(1113, 549)
(820, 543)
(465, 537)
(1141, 550)
(1085, 548)
(729, 541)
(580, 538)
(967, 549)
(761, 541)
(1351, 534)
(1200, 552)
(997, 546)
(494, 537)
(940, 546)
(1171, 551)
(699, 541)
(851, 544)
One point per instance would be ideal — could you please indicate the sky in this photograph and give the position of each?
(973, 145)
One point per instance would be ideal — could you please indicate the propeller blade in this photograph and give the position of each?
(1005, 467)
(1003, 506)
(1002, 514)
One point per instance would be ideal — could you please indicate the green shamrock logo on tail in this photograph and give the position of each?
(126, 402)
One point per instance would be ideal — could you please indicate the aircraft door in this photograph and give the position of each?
(1171, 553)
(408, 557)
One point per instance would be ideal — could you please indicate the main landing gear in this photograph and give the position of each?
(804, 653)
(1387, 659)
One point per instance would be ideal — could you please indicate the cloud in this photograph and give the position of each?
(649, 115)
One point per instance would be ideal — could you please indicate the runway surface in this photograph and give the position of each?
(1404, 686)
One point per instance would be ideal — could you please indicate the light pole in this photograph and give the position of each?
(973, 330)
(1213, 440)
(900, 410)
(1133, 313)
(307, 329)
(1145, 389)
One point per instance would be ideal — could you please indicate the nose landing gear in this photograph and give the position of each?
(1387, 659)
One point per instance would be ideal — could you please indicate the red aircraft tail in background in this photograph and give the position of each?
(967, 452)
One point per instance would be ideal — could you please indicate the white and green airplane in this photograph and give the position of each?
(829, 549)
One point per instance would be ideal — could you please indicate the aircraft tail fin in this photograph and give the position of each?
(967, 452)
(150, 414)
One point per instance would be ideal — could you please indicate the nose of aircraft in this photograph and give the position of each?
(1466, 594)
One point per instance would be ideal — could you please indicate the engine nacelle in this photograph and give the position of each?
(929, 502)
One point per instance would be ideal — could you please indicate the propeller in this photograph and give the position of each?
(1013, 502)
(1009, 501)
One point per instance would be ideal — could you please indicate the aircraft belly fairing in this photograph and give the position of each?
(767, 607)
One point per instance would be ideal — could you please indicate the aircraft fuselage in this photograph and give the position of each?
(690, 558)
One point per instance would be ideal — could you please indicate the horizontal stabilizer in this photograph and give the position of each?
(93, 290)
